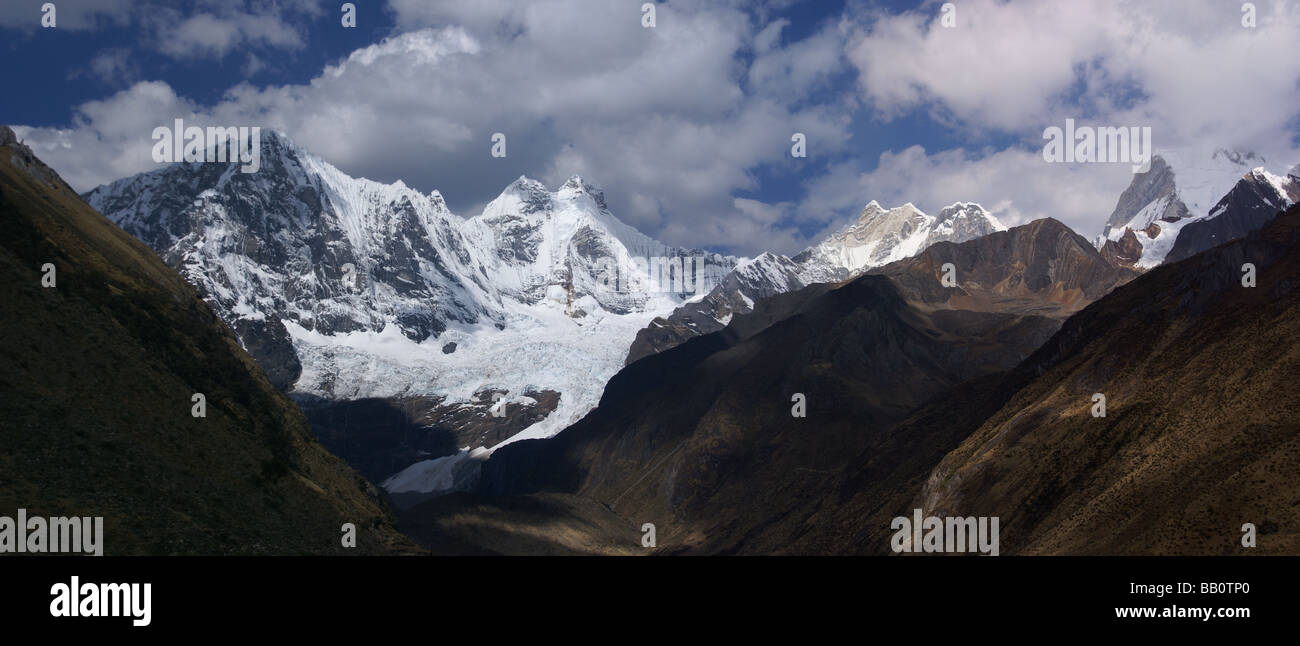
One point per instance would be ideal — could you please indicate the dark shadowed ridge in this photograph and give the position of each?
(96, 379)
(1202, 427)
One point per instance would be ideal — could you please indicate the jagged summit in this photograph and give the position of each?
(1253, 201)
(1182, 186)
(348, 288)
(881, 236)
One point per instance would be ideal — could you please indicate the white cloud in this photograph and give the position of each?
(109, 138)
(1188, 68)
(218, 29)
(666, 118)
(112, 67)
(1013, 184)
(679, 120)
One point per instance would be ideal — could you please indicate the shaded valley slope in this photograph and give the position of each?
(96, 378)
(700, 439)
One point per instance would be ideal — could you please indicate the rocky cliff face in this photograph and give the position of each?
(1042, 268)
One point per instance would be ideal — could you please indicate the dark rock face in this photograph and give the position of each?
(1250, 204)
(378, 437)
(382, 436)
(1126, 252)
(448, 348)
(1145, 188)
(268, 343)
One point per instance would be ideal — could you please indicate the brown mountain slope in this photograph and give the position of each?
(1039, 268)
(96, 379)
(700, 440)
(1202, 428)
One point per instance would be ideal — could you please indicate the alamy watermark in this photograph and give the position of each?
(932, 534)
(77, 599)
(1101, 145)
(663, 274)
(40, 535)
(213, 144)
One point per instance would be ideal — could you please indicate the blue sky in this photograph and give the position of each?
(687, 125)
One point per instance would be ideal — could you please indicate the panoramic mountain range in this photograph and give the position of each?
(521, 381)
(917, 401)
(728, 462)
(1217, 196)
(417, 341)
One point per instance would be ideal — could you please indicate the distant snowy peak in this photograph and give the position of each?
(772, 270)
(568, 239)
(878, 237)
(1256, 198)
(963, 221)
(1182, 186)
(881, 236)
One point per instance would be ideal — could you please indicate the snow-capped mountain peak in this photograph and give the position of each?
(881, 236)
(962, 221)
(346, 288)
(878, 236)
(1181, 187)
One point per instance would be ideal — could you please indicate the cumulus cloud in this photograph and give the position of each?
(1014, 184)
(211, 36)
(109, 138)
(112, 67)
(1189, 69)
(679, 121)
(670, 119)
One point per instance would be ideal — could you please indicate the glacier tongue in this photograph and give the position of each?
(346, 288)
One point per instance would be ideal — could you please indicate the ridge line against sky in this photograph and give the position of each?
(686, 125)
